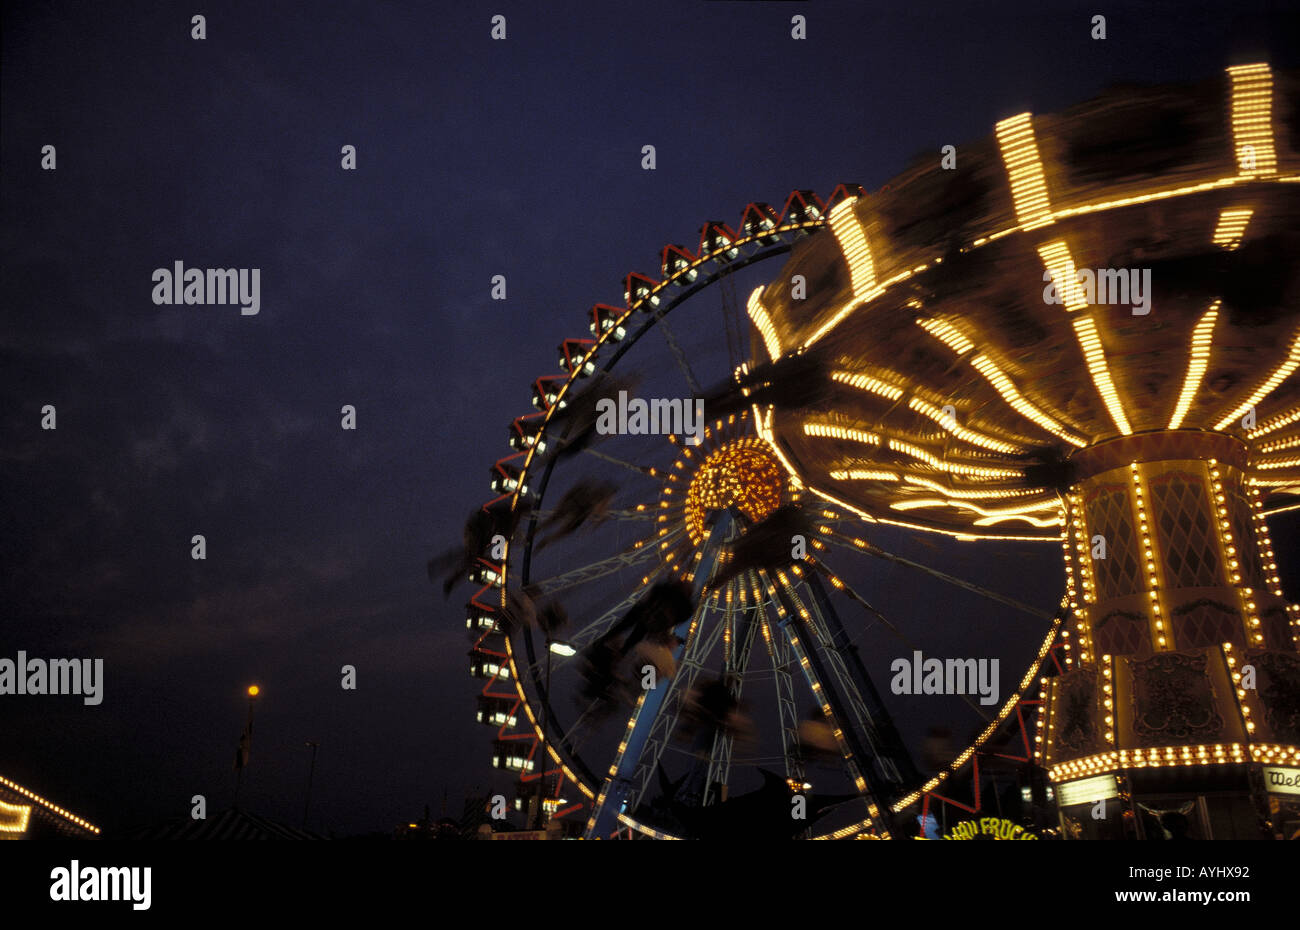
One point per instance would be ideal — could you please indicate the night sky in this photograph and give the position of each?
(475, 158)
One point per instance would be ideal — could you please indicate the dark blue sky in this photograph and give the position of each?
(475, 158)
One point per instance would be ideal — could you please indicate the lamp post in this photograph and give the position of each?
(560, 648)
(245, 743)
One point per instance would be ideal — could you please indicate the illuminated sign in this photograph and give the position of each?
(1088, 790)
(1280, 780)
(989, 828)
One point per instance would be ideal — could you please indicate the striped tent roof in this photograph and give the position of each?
(229, 824)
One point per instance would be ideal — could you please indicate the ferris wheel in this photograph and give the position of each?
(667, 628)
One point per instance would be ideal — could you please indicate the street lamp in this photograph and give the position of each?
(563, 649)
(245, 743)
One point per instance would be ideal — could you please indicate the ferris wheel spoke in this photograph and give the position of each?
(734, 322)
(637, 515)
(862, 546)
(583, 728)
(854, 596)
(643, 470)
(644, 516)
(678, 354)
(574, 737)
(640, 551)
(591, 631)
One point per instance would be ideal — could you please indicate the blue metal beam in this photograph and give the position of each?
(614, 793)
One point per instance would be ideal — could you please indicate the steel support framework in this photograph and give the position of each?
(614, 793)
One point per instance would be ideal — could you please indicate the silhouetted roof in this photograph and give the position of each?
(230, 824)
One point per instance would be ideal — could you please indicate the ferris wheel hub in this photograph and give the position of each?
(742, 474)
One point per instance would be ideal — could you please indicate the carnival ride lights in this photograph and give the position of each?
(735, 471)
(48, 805)
(1172, 473)
(14, 817)
(1251, 106)
(892, 449)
